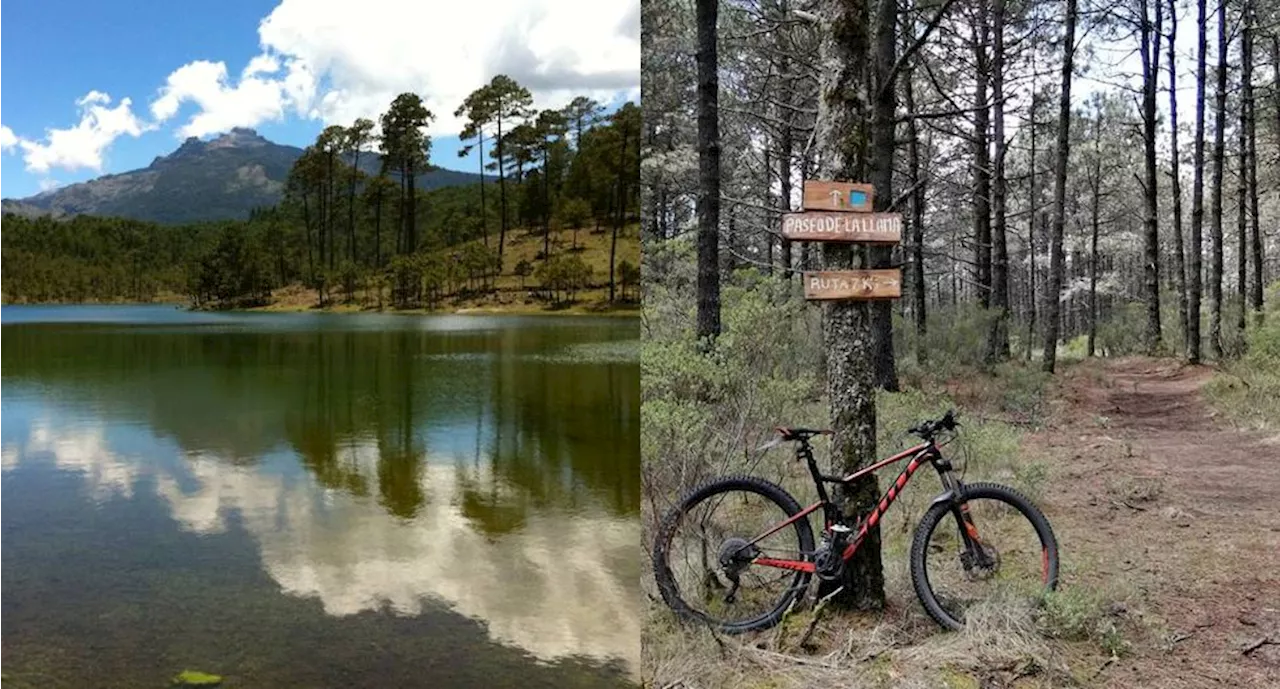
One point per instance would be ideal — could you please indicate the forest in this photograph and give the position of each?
(1089, 200)
(343, 236)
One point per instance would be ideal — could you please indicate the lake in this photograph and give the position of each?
(319, 500)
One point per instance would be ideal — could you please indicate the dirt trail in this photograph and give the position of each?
(1175, 514)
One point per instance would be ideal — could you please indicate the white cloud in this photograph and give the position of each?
(8, 139)
(257, 98)
(48, 184)
(83, 145)
(324, 62)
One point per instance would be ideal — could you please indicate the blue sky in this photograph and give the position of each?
(286, 68)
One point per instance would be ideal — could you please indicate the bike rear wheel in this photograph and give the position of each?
(1006, 564)
(699, 554)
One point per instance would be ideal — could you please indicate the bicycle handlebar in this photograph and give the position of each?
(928, 429)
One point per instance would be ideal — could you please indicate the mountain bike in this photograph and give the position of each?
(737, 552)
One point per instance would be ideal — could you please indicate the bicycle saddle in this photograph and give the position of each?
(801, 433)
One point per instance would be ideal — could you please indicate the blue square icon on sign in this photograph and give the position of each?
(857, 198)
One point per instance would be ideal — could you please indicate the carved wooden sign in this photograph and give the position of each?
(853, 284)
(820, 226)
(822, 195)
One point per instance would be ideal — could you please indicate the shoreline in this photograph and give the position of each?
(629, 310)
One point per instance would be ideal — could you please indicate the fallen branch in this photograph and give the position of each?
(1259, 644)
(817, 614)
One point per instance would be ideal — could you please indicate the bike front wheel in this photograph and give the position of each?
(704, 555)
(989, 553)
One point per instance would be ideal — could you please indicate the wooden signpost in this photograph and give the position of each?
(841, 212)
(853, 284)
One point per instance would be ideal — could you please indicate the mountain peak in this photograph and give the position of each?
(239, 137)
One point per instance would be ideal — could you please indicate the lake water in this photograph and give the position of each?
(319, 500)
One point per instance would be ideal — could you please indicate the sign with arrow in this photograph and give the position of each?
(847, 197)
(862, 285)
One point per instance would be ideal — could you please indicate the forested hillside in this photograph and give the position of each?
(353, 237)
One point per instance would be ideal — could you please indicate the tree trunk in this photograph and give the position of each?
(883, 142)
(1197, 196)
(1059, 192)
(917, 221)
(998, 339)
(1150, 50)
(786, 135)
(1032, 212)
(502, 191)
(484, 224)
(1180, 264)
(1252, 111)
(1219, 162)
(351, 207)
(709, 173)
(622, 213)
(841, 136)
(1242, 193)
(982, 158)
(1095, 206)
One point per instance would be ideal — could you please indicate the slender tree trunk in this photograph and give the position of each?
(351, 206)
(1252, 111)
(502, 191)
(883, 144)
(998, 340)
(1095, 181)
(917, 221)
(306, 224)
(1032, 213)
(484, 219)
(1180, 264)
(622, 212)
(546, 209)
(844, 111)
(1219, 162)
(1150, 50)
(982, 157)
(1242, 197)
(1060, 191)
(709, 173)
(411, 216)
(786, 115)
(377, 234)
(1197, 195)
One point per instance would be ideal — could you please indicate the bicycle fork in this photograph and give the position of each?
(974, 553)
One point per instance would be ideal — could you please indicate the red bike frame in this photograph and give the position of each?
(918, 454)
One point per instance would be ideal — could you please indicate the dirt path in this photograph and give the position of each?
(1174, 515)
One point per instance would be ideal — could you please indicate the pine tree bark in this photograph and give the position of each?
(1095, 207)
(1150, 50)
(918, 296)
(982, 156)
(1060, 192)
(1032, 213)
(786, 135)
(998, 339)
(709, 173)
(1180, 262)
(883, 142)
(1197, 195)
(1252, 110)
(844, 110)
(1215, 209)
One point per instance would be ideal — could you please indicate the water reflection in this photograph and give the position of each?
(491, 469)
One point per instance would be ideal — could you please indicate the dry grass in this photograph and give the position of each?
(511, 294)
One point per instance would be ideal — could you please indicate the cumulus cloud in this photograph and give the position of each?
(256, 98)
(8, 139)
(322, 61)
(83, 145)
